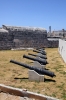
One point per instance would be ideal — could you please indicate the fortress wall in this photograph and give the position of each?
(29, 39)
(6, 41)
(12, 37)
(53, 44)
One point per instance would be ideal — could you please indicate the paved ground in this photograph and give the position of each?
(4, 96)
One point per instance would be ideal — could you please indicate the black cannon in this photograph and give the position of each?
(38, 51)
(42, 50)
(38, 70)
(41, 56)
(41, 61)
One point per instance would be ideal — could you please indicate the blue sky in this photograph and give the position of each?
(35, 13)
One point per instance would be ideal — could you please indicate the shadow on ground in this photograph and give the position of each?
(21, 78)
(45, 80)
(49, 80)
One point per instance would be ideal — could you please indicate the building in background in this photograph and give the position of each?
(59, 33)
(49, 29)
(56, 33)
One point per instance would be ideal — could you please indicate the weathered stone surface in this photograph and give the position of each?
(3, 30)
(6, 40)
(24, 37)
(5, 96)
(53, 44)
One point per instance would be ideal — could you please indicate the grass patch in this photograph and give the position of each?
(54, 87)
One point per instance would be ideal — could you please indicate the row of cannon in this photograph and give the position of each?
(41, 58)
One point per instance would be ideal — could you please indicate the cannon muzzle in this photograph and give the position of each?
(41, 61)
(38, 70)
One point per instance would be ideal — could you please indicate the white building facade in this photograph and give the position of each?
(62, 49)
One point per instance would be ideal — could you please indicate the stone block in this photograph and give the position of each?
(34, 76)
(38, 65)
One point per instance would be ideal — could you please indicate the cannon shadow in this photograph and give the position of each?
(45, 80)
(24, 78)
(49, 80)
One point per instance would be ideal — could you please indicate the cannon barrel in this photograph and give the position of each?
(43, 57)
(38, 51)
(38, 70)
(42, 61)
(41, 50)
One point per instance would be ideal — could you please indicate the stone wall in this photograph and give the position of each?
(53, 44)
(6, 40)
(12, 37)
(23, 39)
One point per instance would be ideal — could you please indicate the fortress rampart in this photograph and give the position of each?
(24, 37)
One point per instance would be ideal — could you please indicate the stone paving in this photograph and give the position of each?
(4, 96)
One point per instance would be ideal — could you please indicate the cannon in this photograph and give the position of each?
(43, 50)
(41, 61)
(43, 56)
(38, 70)
(38, 51)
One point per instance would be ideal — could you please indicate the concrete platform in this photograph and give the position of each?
(34, 76)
